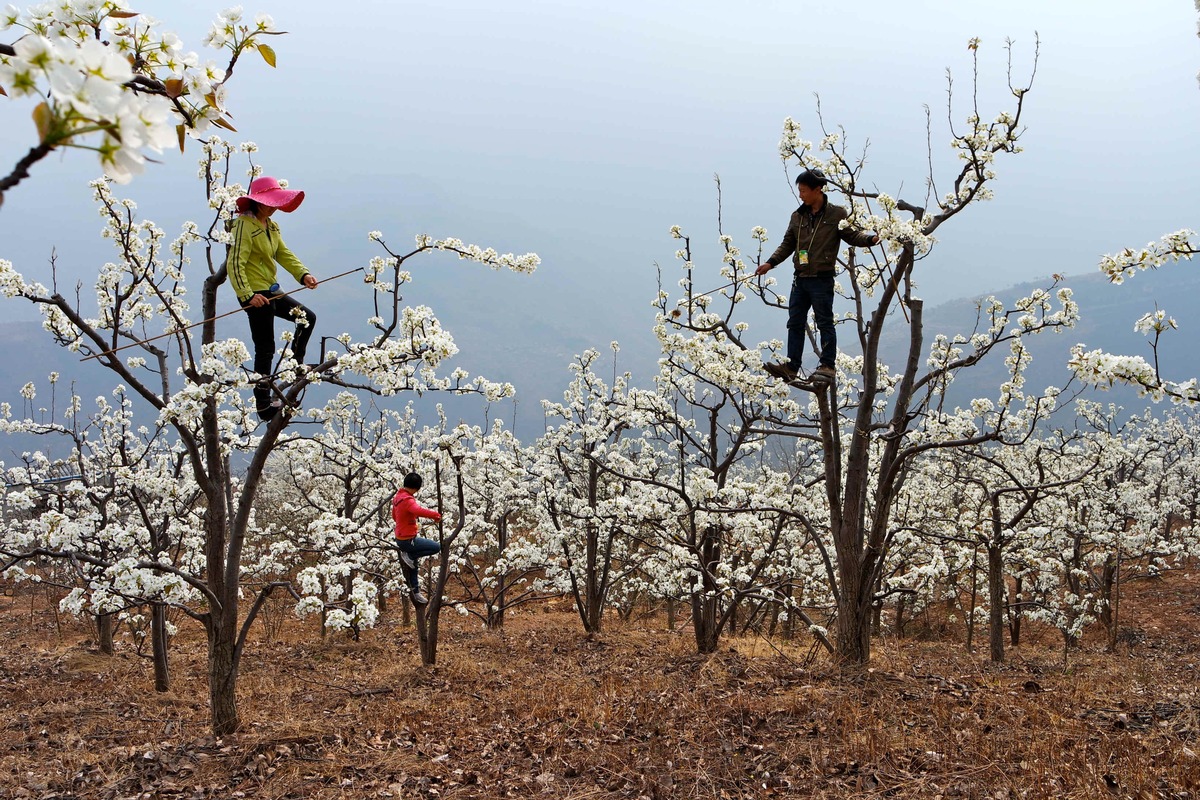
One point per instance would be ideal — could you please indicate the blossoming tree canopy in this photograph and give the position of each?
(111, 80)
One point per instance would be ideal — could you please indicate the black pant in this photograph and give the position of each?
(815, 292)
(262, 333)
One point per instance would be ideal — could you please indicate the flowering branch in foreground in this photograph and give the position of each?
(99, 68)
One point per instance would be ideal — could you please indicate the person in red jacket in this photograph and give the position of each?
(405, 511)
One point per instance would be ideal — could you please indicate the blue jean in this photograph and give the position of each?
(417, 548)
(815, 293)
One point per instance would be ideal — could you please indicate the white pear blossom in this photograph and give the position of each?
(89, 93)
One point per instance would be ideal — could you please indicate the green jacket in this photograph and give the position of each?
(820, 236)
(252, 256)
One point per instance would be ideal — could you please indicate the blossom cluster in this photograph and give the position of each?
(526, 263)
(1101, 369)
(101, 71)
(1173, 247)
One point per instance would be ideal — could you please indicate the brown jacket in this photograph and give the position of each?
(820, 237)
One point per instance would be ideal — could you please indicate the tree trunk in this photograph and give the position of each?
(1014, 624)
(974, 599)
(705, 612)
(593, 589)
(159, 641)
(1076, 586)
(591, 580)
(104, 633)
(495, 616)
(222, 677)
(859, 526)
(852, 629)
(1107, 614)
(426, 634)
(706, 603)
(381, 596)
(789, 623)
(428, 614)
(222, 552)
(996, 603)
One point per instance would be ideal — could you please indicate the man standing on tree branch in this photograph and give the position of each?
(812, 240)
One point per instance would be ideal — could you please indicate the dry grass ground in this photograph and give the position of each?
(538, 710)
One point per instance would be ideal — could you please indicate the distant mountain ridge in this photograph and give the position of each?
(534, 353)
(1107, 316)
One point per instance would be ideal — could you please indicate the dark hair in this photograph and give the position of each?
(413, 481)
(812, 178)
(251, 207)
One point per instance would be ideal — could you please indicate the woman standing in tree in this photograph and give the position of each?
(256, 248)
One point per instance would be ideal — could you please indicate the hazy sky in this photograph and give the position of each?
(584, 130)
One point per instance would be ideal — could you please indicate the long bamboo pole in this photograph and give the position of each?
(210, 319)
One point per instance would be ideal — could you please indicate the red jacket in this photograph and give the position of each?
(405, 510)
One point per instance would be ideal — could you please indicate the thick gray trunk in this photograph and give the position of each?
(996, 604)
(158, 647)
(222, 678)
(104, 633)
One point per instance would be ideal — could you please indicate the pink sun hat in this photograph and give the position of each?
(268, 192)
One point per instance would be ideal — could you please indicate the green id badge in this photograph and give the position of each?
(802, 257)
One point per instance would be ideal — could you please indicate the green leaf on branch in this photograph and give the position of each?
(267, 53)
